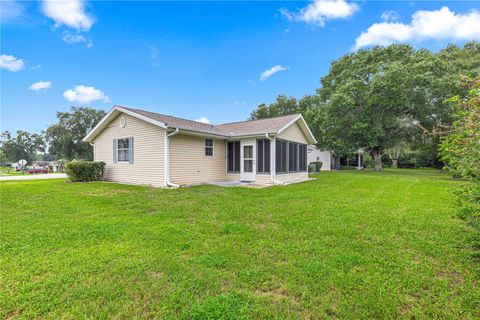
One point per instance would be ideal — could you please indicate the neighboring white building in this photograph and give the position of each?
(314, 154)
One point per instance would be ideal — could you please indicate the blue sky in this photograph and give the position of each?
(196, 59)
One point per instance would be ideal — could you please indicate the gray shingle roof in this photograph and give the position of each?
(262, 126)
(180, 123)
(270, 125)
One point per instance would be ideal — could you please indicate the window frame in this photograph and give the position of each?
(206, 147)
(123, 149)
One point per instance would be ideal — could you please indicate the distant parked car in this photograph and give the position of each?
(31, 171)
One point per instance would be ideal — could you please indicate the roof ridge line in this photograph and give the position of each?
(285, 115)
(167, 115)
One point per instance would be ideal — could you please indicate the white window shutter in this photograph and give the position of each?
(130, 146)
(114, 150)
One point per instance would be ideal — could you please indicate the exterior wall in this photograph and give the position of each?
(148, 152)
(232, 177)
(188, 163)
(292, 177)
(293, 133)
(324, 156)
(263, 179)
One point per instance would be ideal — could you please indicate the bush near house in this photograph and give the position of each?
(85, 171)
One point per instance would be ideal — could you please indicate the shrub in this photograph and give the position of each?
(85, 171)
(461, 152)
(318, 165)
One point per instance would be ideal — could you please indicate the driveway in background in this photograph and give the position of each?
(35, 177)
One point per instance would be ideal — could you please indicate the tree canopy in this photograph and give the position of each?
(382, 98)
(23, 145)
(282, 106)
(65, 137)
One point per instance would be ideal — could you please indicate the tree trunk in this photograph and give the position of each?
(377, 157)
(394, 163)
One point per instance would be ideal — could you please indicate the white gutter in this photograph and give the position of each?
(274, 167)
(166, 163)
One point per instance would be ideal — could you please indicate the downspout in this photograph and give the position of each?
(167, 159)
(274, 159)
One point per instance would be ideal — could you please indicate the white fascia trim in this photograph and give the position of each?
(88, 136)
(254, 135)
(200, 133)
(304, 124)
(139, 116)
(117, 109)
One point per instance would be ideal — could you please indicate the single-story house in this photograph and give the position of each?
(141, 147)
(315, 154)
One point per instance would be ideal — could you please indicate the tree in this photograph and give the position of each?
(3, 158)
(436, 78)
(65, 137)
(460, 149)
(23, 145)
(282, 106)
(366, 99)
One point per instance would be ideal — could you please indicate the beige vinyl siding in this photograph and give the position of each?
(263, 179)
(148, 152)
(292, 177)
(232, 177)
(190, 165)
(293, 133)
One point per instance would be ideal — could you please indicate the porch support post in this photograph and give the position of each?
(273, 158)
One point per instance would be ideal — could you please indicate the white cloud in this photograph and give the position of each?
(203, 120)
(270, 72)
(11, 10)
(390, 16)
(85, 94)
(319, 11)
(68, 12)
(77, 38)
(11, 63)
(41, 85)
(440, 24)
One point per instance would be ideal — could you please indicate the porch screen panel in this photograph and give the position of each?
(230, 155)
(281, 156)
(233, 156)
(266, 158)
(292, 157)
(263, 156)
(302, 156)
(260, 156)
(236, 147)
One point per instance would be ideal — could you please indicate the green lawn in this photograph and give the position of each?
(9, 171)
(347, 245)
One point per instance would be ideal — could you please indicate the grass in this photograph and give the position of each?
(9, 171)
(347, 245)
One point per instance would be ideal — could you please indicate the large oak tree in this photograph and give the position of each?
(65, 137)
